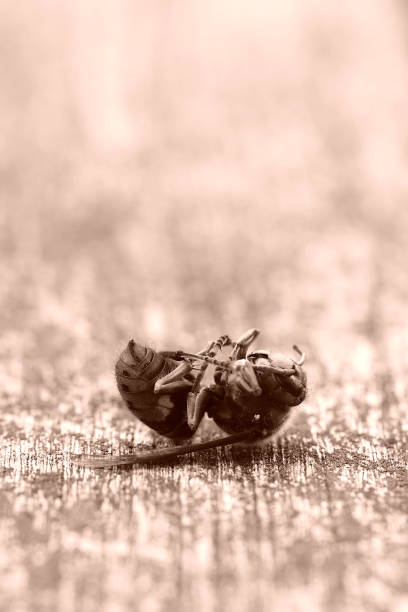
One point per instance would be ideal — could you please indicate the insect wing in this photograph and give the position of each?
(157, 455)
(102, 461)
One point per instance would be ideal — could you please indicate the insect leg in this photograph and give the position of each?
(211, 349)
(241, 346)
(197, 401)
(180, 355)
(218, 344)
(197, 406)
(173, 382)
(243, 375)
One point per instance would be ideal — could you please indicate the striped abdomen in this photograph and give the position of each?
(137, 370)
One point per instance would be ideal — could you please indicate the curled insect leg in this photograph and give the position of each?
(173, 382)
(213, 347)
(248, 337)
(197, 404)
(244, 378)
(240, 348)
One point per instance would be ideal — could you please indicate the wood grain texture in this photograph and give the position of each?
(255, 182)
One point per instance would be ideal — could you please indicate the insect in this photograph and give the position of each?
(250, 396)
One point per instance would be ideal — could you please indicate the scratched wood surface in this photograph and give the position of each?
(172, 173)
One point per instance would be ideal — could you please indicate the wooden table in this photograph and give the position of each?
(283, 206)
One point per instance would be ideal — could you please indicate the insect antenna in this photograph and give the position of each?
(302, 355)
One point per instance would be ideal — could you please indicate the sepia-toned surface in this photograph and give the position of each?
(171, 171)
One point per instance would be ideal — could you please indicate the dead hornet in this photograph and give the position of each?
(250, 397)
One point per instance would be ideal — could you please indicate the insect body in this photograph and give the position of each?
(250, 397)
(137, 370)
(276, 384)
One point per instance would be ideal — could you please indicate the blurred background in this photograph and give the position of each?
(175, 170)
(179, 170)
